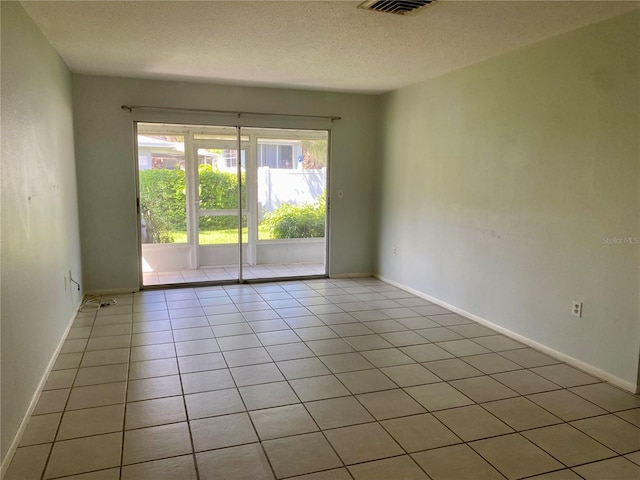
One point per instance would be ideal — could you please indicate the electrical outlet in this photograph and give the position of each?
(576, 311)
(394, 251)
(66, 282)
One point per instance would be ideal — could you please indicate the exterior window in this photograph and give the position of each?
(275, 156)
(231, 158)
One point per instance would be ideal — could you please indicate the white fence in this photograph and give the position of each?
(296, 187)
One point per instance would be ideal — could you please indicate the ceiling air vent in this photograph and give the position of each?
(397, 7)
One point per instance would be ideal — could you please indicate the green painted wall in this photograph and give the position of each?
(40, 236)
(106, 165)
(500, 181)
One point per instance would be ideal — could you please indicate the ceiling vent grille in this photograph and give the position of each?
(397, 7)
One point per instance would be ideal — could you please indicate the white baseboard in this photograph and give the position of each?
(586, 367)
(351, 275)
(112, 291)
(6, 461)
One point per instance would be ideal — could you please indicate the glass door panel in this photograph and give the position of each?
(188, 201)
(290, 201)
(197, 182)
(162, 204)
(219, 185)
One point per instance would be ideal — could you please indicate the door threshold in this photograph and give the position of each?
(222, 283)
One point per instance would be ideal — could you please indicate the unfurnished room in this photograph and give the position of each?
(320, 240)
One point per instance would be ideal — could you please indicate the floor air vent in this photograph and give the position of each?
(397, 7)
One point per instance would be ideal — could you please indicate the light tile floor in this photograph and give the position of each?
(219, 274)
(323, 379)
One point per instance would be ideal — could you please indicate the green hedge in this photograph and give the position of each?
(163, 200)
(163, 206)
(162, 203)
(219, 190)
(298, 221)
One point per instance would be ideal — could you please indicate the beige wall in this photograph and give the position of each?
(40, 238)
(499, 182)
(106, 165)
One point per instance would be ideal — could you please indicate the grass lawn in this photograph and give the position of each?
(213, 237)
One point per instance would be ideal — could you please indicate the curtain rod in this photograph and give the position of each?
(131, 108)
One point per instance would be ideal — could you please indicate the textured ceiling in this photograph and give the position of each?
(328, 45)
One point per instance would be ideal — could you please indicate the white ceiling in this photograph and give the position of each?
(325, 45)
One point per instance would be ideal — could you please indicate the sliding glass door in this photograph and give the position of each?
(289, 224)
(229, 204)
(220, 204)
(163, 204)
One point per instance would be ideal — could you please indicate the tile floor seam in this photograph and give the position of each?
(539, 475)
(572, 468)
(514, 429)
(312, 418)
(563, 421)
(621, 418)
(409, 454)
(525, 439)
(327, 291)
(126, 392)
(64, 409)
(518, 431)
(375, 421)
(187, 420)
(583, 433)
(558, 459)
(246, 410)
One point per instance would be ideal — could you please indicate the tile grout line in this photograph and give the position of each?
(126, 394)
(352, 395)
(246, 410)
(64, 409)
(303, 406)
(518, 432)
(316, 356)
(314, 421)
(186, 411)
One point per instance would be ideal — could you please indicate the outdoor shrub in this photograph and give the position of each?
(162, 203)
(163, 200)
(219, 190)
(297, 221)
(163, 206)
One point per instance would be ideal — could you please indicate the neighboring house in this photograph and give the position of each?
(153, 152)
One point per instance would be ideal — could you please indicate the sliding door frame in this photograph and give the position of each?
(192, 223)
